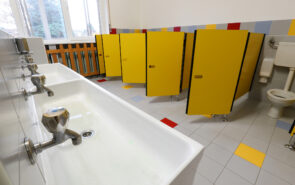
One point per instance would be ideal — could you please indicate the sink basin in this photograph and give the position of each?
(129, 147)
(57, 73)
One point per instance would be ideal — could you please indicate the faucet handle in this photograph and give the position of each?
(55, 119)
(38, 79)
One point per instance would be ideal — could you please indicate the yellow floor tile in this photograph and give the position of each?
(127, 86)
(250, 154)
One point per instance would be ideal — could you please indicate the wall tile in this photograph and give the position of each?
(250, 26)
(211, 26)
(113, 31)
(177, 29)
(125, 31)
(233, 26)
(280, 27)
(201, 27)
(190, 29)
(155, 29)
(164, 29)
(171, 29)
(263, 27)
(292, 28)
(221, 26)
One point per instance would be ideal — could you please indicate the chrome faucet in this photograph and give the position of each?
(38, 80)
(55, 121)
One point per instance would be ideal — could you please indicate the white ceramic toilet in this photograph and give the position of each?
(280, 98)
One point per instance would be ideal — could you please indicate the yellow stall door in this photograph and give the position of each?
(112, 59)
(217, 62)
(250, 63)
(188, 55)
(99, 46)
(164, 63)
(133, 57)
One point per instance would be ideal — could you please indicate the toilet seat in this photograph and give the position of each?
(281, 95)
(279, 99)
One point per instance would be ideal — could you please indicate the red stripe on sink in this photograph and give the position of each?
(168, 122)
(102, 80)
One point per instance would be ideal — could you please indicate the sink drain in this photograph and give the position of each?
(87, 133)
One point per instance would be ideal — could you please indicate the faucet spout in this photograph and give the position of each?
(76, 138)
(59, 138)
(39, 80)
(49, 91)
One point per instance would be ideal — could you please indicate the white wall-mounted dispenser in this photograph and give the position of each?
(266, 70)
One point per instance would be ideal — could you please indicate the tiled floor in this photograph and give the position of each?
(249, 124)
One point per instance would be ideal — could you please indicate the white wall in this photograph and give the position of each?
(36, 46)
(125, 14)
(169, 13)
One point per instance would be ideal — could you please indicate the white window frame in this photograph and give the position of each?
(19, 18)
(24, 31)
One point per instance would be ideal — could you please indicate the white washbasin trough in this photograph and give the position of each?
(129, 147)
(57, 73)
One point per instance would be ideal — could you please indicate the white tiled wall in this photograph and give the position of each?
(15, 119)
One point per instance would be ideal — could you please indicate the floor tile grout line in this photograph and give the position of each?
(265, 154)
(224, 148)
(204, 177)
(234, 153)
(281, 161)
(278, 177)
(263, 161)
(214, 160)
(274, 156)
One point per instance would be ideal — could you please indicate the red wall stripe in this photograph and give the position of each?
(144, 31)
(168, 122)
(113, 31)
(176, 29)
(233, 26)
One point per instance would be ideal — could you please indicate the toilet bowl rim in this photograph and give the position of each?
(287, 95)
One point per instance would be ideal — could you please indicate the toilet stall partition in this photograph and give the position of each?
(251, 58)
(217, 61)
(187, 62)
(133, 57)
(99, 46)
(164, 63)
(111, 53)
(81, 58)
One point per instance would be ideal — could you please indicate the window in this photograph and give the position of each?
(78, 17)
(45, 18)
(37, 28)
(59, 19)
(93, 16)
(84, 17)
(55, 18)
(7, 22)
